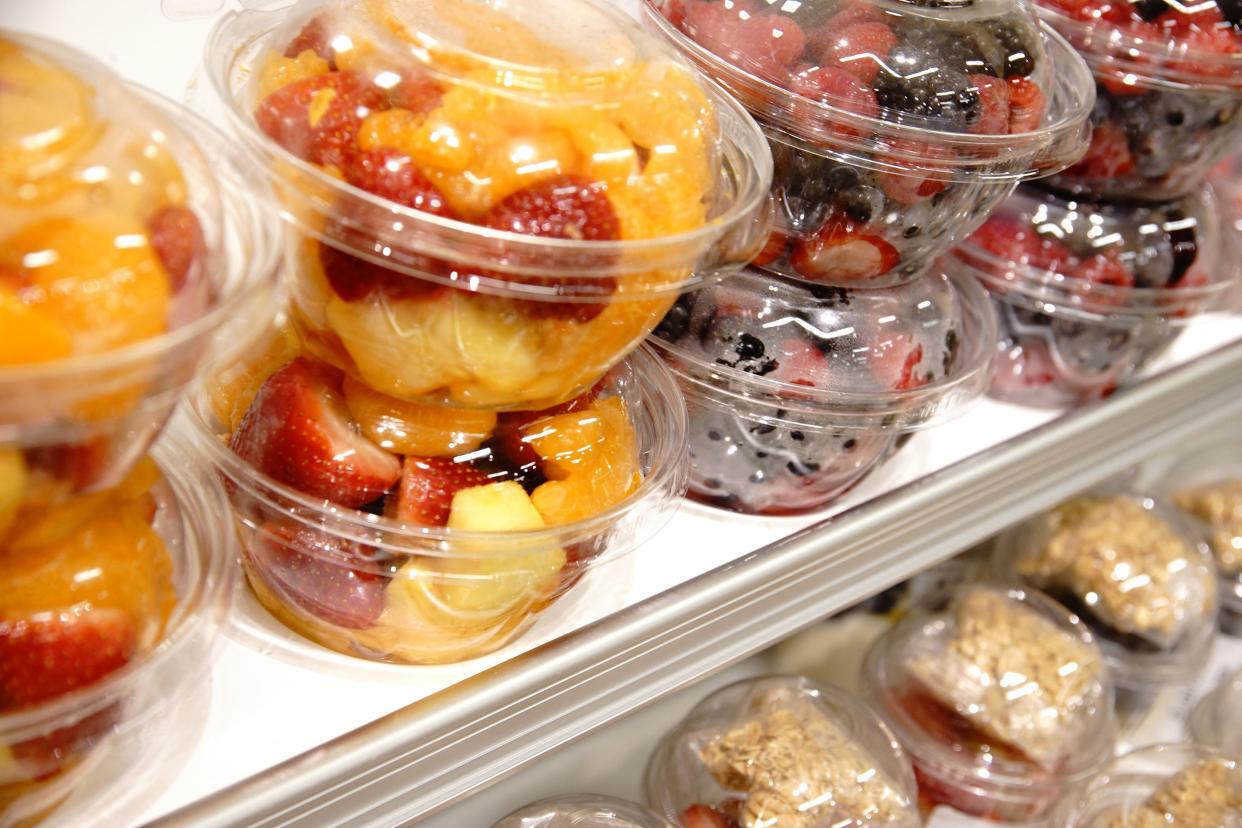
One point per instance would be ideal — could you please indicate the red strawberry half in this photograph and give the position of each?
(299, 432)
(49, 654)
(428, 484)
(329, 577)
(704, 816)
(177, 238)
(317, 118)
(842, 251)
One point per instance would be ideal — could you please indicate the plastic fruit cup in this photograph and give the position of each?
(1117, 796)
(390, 590)
(797, 391)
(896, 127)
(1217, 720)
(63, 759)
(491, 204)
(87, 385)
(1087, 294)
(1169, 94)
(997, 682)
(583, 811)
(782, 750)
(1149, 599)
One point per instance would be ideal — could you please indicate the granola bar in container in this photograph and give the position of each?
(1001, 698)
(583, 811)
(782, 752)
(1138, 573)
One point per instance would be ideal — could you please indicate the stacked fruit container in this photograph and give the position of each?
(1099, 269)
(896, 128)
(131, 242)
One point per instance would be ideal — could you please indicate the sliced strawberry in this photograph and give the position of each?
(861, 49)
(897, 364)
(1026, 105)
(316, 37)
(428, 484)
(704, 816)
(317, 118)
(842, 251)
(994, 114)
(1108, 156)
(772, 250)
(391, 174)
(800, 363)
(1022, 368)
(334, 579)
(562, 207)
(299, 432)
(49, 654)
(177, 238)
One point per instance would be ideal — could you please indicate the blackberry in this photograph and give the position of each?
(806, 183)
(732, 341)
(676, 323)
(862, 203)
(1013, 39)
(926, 91)
(961, 49)
(1149, 10)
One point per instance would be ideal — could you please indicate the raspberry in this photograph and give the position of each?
(391, 174)
(1101, 269)
(315, 37)
(177, 238)
(1012, 240)
(994, 114)
(1109, 11)
(767, 44)
(1026, 105)
(317, 118)
(838, 88)
(1108, 156)
(860, 49)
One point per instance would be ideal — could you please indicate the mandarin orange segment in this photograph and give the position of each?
(599, 473)
(27, 335)
(413, 428)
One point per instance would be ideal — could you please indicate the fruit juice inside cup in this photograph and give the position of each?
(895, 127)
(125, 244)
(1169, 93)
(491, 206)
(797, 391)
(1088, 294)
(417, 533)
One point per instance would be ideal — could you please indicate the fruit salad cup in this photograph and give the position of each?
(782, 751)
(492, 203)
(1169, 93)
(796, 391)
(130, 234)
(896, 125)
(1160, 785)
(583, 812)
(1138, 574)
(1088, 294)
(110, 605)
(416, 533)
(1216, 721)
(1001, 699)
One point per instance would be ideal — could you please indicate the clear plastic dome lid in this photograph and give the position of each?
(1003, 680)
(1128, 261)
(923, 84)
(110, 217)
(583, 811)
(783, 751)
(834, 357)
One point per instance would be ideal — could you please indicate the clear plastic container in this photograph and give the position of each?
(1206, 484)
(1001, 699)
(141, 641)
(797, 391)
(1169, 93)
(131, 234)
(1161, 785)
(1088, 294)
(896, 126)
(412, 533)
(1138, 574)
(583, 811)
(493, 203)
(782, 752)
(1216, 721)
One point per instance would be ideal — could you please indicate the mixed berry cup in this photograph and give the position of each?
(405, 532)
(583, 811)
(896, 126)
(1001, 699)
(1168, 784)
(782, 750)
(1216, 721)
(797, 391)
(1168, 93)
(110, 609)
(1138, 574)
(491, 203)
(131, 235)
(1087, 294)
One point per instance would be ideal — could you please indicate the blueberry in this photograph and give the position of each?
(862, 203)
(676, 323)
(1014, 39)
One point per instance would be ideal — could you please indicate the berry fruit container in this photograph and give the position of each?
(1168, 93)
(491, 203)
(411, 533)
(782, 750)
(896, 126)
(1168, 784)
(1001, 699)
(583, 811)
(797, 391)
(1087, 294)
(1138, 574)
(110, 608)
(130, 235)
